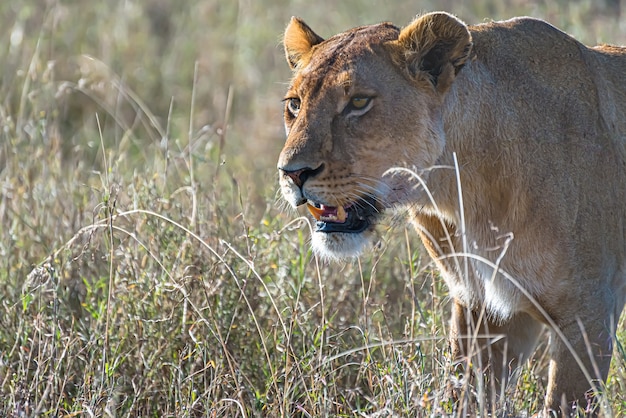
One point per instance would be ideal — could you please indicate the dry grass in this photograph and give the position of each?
(146, 269)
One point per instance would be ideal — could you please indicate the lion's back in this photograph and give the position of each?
(552, 82)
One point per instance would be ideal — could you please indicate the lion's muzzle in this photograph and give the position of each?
(353, 217)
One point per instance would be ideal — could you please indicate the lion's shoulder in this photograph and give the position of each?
(535, 70)
(525, 39)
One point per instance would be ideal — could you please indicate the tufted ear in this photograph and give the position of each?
(298, 40)
(437, 44)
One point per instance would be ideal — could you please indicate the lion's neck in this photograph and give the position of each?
(472, 182)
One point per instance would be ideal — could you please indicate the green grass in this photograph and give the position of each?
(146, 266)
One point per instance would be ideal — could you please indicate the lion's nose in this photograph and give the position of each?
(299, 176)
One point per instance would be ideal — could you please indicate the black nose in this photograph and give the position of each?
(301, 175)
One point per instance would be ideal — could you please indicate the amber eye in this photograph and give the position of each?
(359, 102)
(293, 106)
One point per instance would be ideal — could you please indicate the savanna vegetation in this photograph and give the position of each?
(147, 265)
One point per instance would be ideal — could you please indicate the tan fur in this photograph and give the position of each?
(537, 122)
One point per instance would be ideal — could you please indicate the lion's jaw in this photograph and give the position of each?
(348, 199)
(351, 115)
(344, 230)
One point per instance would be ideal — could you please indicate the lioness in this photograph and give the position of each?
(516, 134)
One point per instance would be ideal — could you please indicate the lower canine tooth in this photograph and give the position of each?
(341, 214)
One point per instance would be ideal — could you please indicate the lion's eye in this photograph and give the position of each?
(358, 105)
(359, 102)
(293, 106)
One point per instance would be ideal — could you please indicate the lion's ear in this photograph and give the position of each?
(298, 40)
(438, 44)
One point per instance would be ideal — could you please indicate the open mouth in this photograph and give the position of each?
(354, 218)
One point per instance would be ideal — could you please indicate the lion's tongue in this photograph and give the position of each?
(328, 213)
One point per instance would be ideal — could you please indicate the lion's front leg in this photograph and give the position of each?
(570, 392)
(495, 351)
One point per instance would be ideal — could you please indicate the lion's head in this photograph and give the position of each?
(361, 103)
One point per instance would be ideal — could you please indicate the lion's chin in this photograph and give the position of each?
(339, 245)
